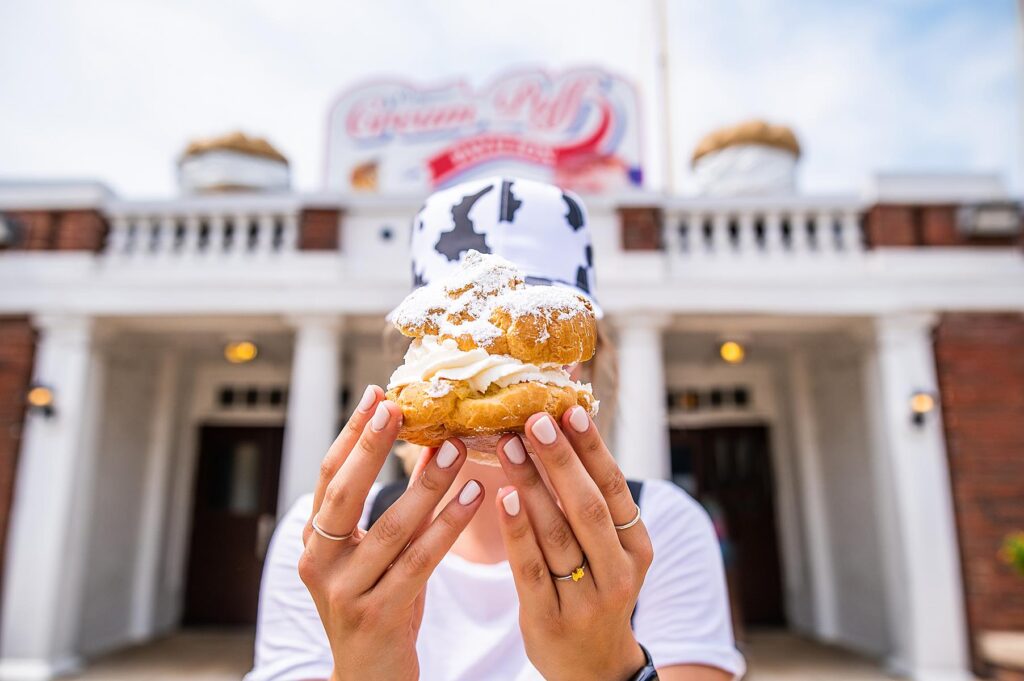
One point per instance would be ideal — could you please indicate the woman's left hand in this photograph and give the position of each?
(574, 628)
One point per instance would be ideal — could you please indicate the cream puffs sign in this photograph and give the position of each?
(577, 129)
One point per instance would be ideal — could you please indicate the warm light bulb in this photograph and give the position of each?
(732, 352)
(240, 352)
(921, 403)
(40, 397)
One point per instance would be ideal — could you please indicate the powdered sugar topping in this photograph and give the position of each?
(462, 303)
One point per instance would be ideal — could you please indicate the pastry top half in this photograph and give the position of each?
(489, 351)
(486, 304)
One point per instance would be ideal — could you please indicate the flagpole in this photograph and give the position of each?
(661, 45)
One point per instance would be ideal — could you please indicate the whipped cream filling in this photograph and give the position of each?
(430, 359)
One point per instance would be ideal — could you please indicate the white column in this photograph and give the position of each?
(813, 498)
(641, 429)
(156, 490)
(312, 404)
(924, 585)
(799, 614)
(43, 572)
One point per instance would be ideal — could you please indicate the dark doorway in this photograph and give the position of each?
(232, 519)
(729, 470)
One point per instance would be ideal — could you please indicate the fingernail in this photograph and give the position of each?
(366, 401)
(446, 455)
(511, 503)
(544, 430)
(380, 418)
(578, 420)
(514, 450)
(470, 492)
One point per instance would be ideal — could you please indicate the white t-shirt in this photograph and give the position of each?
(470, 625)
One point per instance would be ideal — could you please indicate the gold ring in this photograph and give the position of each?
(632, 522)
(576, 575)
(327, 535)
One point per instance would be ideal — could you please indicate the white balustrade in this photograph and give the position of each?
(168, 236)
(700, 231)
(747, 231)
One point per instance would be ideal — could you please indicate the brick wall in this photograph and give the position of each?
(71, 230)
(640, 229)
(17, 347)
(319, 230)
(980, 363)
(898, 225)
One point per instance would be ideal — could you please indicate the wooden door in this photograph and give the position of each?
(732, 468)
(232, 519)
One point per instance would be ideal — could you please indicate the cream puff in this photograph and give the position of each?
(489, 351)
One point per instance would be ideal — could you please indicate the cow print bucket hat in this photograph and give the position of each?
(537, 226)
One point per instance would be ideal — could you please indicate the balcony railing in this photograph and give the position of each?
(698, 230)
(201, 235)
(693, 231)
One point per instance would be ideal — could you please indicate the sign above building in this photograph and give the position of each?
(578, 129)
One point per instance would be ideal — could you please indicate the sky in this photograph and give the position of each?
(113, 89)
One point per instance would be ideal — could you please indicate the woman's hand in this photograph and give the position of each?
(368, 588)
(573, 629)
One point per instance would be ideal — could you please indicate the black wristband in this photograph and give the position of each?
(647, 672)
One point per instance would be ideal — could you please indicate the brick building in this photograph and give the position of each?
(863, 432)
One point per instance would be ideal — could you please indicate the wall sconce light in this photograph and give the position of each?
(240, 352)
(922, 403)
(732, 352)
(40, 400)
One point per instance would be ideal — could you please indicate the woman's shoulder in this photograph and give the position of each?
(294, 520)
(669, 511)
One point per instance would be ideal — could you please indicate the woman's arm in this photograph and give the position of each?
(692, 672)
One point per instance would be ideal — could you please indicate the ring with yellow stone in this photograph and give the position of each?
(576, 575)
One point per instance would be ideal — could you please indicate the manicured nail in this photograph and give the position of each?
(511, 503)
(366, 401)
(470, 492)
(380, 418)
(579, 420)
(514, 450)
(446, 455)
(544, 430)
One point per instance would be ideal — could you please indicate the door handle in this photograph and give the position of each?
(264, 531)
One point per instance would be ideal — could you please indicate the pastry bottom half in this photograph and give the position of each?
(479, 419)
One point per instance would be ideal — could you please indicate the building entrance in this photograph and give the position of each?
(728, 469)
(232, 520)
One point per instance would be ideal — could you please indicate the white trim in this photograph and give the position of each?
(150, 542)
(787, 488)
(13, 669)
(53, 195)
(878, 282)
(815, 506)
(765, 408)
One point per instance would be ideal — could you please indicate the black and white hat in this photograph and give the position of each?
(538, 227)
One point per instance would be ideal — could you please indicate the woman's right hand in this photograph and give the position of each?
(368, 588)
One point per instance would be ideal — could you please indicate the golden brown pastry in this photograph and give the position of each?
(489, 352)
